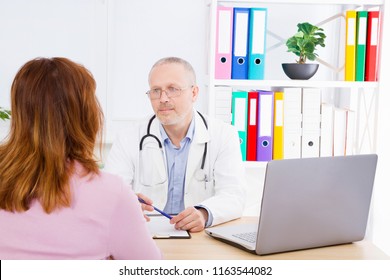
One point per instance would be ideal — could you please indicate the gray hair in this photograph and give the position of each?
(172, 59)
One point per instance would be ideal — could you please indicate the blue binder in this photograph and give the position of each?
(240, 43)
(257, 43)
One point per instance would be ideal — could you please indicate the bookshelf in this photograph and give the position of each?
(362, 97)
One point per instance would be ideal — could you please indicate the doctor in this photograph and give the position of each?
(180, 160)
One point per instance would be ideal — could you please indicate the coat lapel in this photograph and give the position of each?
(201, 136)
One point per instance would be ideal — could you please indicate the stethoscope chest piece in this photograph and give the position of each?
(201, 175)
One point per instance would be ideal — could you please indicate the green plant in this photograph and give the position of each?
(4, 114)
(304, 42)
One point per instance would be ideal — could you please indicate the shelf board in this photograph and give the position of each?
(255, 164)
(293, 83)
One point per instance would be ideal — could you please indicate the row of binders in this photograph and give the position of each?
(240, 43)
(362, 40)
(293, 123)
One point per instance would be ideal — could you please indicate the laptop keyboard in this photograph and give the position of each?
(247, 236)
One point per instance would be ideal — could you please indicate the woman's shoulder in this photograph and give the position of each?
(105, 179)
(103, 189)
(101, 182)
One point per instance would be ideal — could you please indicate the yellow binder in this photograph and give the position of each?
(350, 45)
(278, 125)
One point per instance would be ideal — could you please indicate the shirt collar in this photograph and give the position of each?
(189, 135)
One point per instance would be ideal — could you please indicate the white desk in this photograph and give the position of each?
(203, 247)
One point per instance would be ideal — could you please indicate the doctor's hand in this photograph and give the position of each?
(146, 207)
(191, 219)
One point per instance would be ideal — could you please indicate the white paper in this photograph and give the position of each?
(159, 227)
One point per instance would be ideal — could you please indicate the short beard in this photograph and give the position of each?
(178, 119)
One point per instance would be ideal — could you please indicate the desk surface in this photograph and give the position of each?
(202, 247)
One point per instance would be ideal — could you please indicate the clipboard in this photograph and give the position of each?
(160, 228)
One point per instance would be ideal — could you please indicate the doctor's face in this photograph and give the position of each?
(172, 94)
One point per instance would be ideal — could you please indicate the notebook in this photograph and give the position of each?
(159, 227)
(308, 203)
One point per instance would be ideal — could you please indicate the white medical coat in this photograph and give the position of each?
(223, 193)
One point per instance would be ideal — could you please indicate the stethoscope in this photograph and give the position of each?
(200, 174)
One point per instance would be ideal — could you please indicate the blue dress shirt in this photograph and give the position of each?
(177, 164)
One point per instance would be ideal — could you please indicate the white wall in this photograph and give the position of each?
(47, 28)
(117, 40)
(140, 33)
(381, 198)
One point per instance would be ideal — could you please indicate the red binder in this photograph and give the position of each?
(253, 102)
(372, 46)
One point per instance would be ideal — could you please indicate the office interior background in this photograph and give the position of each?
(119, 40)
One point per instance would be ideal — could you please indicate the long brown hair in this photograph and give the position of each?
(56, 119)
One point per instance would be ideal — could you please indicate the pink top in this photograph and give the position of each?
(105, 219)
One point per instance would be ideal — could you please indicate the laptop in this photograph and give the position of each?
(308, 203)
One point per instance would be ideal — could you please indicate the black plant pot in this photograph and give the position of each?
(297, 71)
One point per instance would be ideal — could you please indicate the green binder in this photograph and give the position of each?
(239, 117)
(361, 34)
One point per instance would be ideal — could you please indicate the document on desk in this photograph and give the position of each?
(159, 227)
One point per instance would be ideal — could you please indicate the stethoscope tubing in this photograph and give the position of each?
(148, 134)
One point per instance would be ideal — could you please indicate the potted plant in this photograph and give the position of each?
(4, 114)
(303, 44)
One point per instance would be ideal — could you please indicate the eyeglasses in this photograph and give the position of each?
(155, 93)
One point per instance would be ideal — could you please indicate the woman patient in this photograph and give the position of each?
(54, 201)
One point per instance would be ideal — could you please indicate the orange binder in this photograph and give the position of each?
(372, 46)
(350, 47)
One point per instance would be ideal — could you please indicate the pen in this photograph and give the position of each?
(155, 208)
